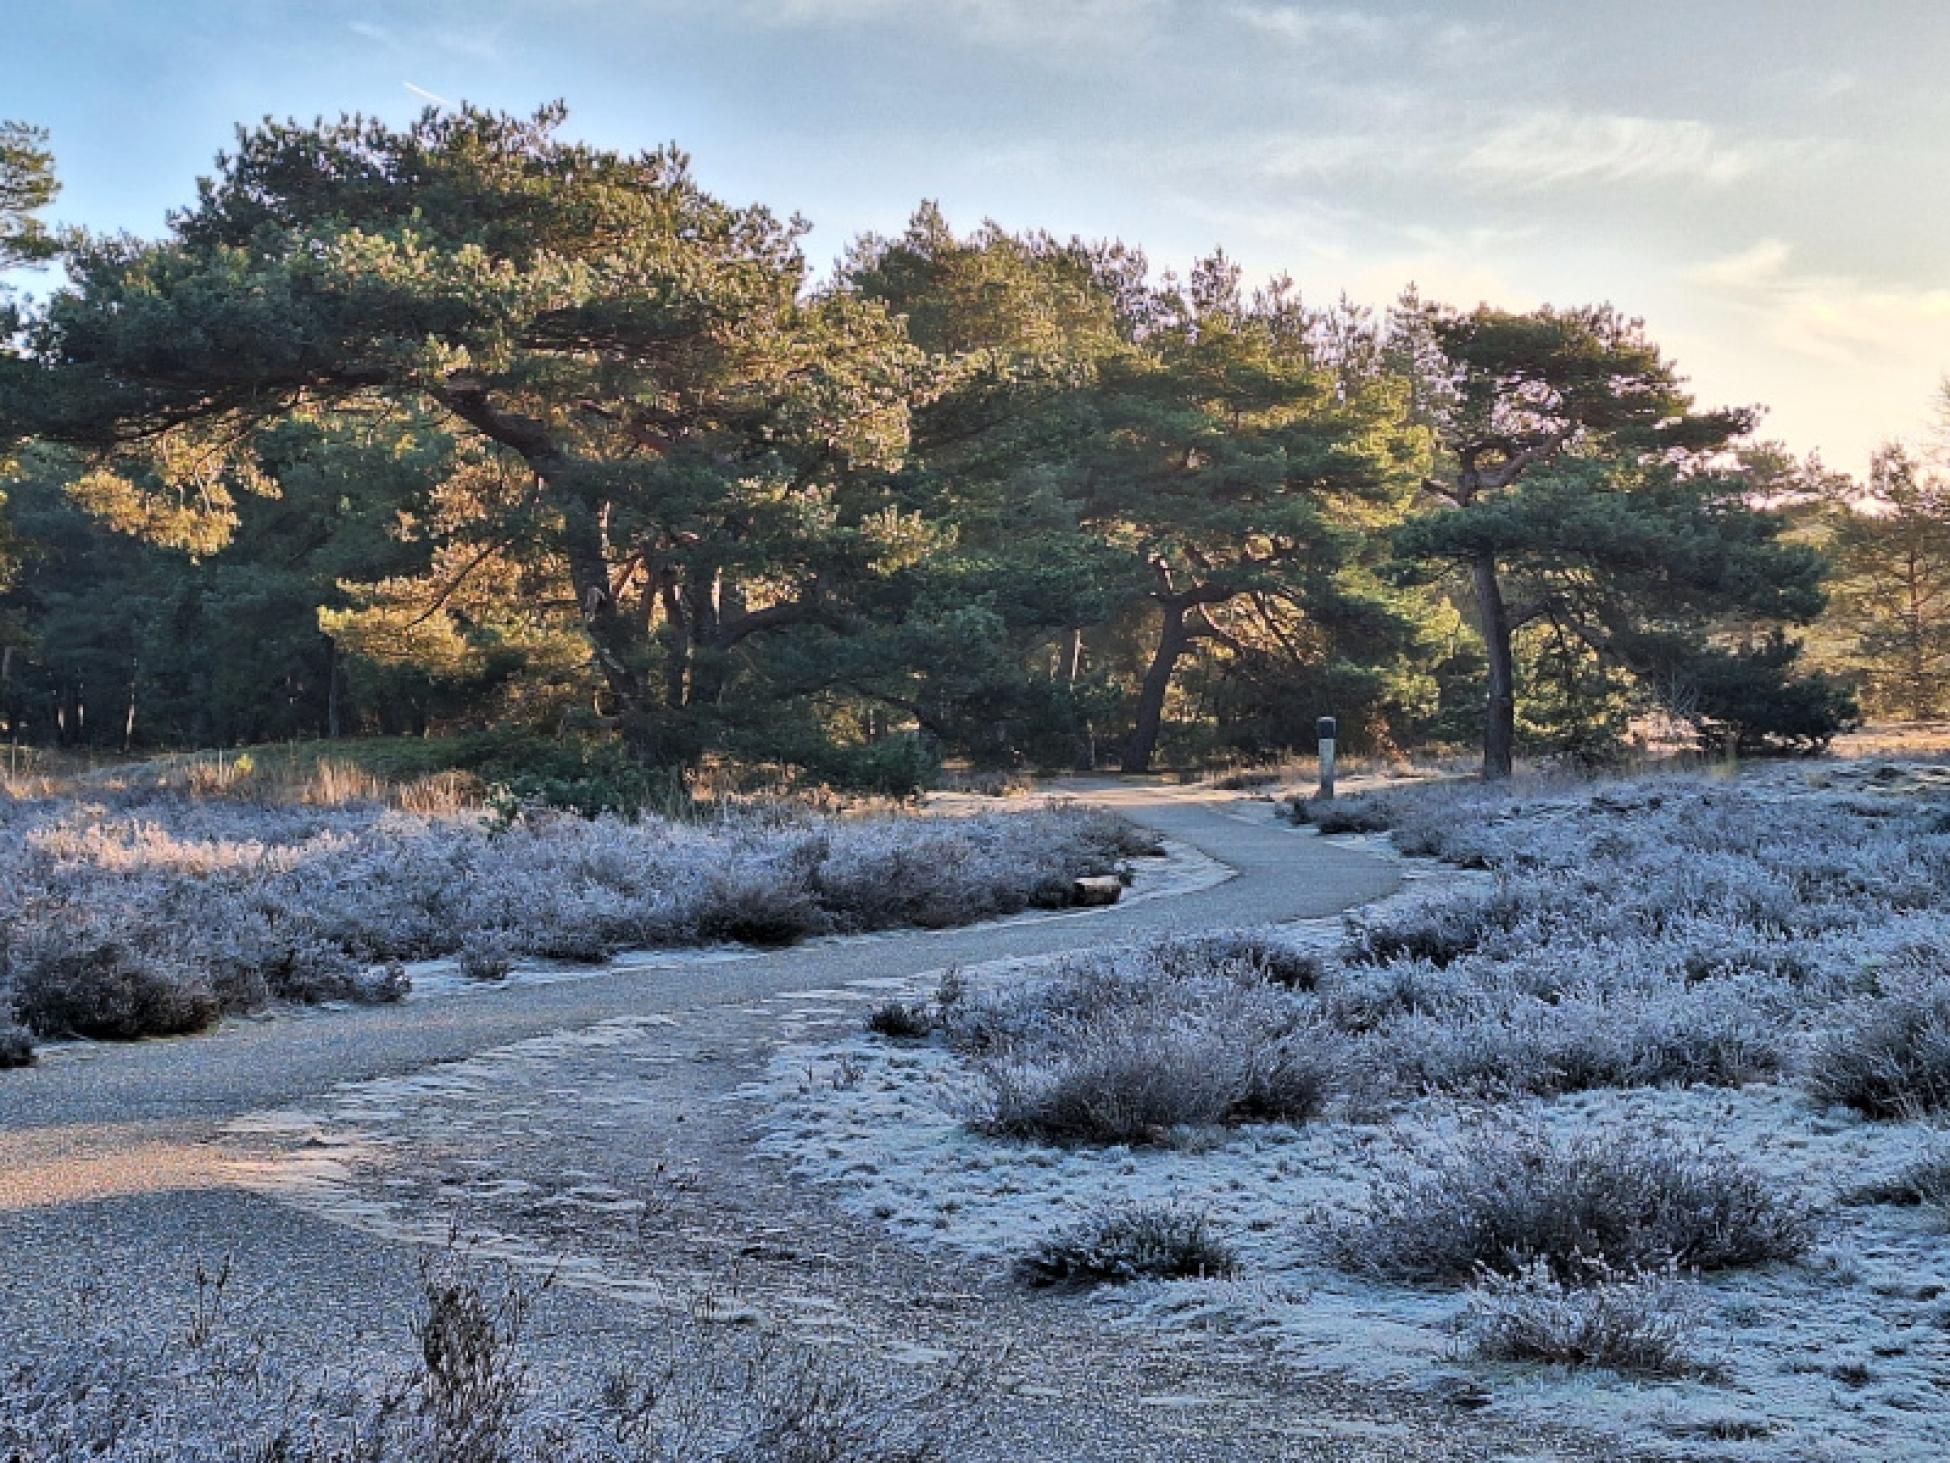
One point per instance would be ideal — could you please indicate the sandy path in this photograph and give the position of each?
(602, 1128)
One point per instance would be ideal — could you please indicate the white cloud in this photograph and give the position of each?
(1307, 25)
(1548, 149)
(1849, 361)
(1002, 21)
(1830, 317)
(1755, 266)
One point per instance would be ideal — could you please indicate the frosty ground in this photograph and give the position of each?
(698, 1150)
(1653, 982)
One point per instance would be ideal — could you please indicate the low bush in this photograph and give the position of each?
(1923, 1182)
(1263, 951)
(1888, 1056)
(195, 906)
(1436, 931)
(901, 1021)
(1363, 813)
(16, 1045)
(1637, 1324)
(1133, 1242)
(1545, 1048)
(1134, 1046)
(79, 982)
(1290, 1080)
(134, 1387)
(487, 955)
(1506, 1201)
(1133, 1082)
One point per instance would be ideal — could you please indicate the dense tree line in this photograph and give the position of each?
(468, 424)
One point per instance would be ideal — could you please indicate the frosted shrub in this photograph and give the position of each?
(1437, 931)
(1507, 1200)
(74, 980)
(1888, 1056)
(1550, 1047)
(1123, 1082)
(16, 1045)
(1130, 1242)
(1133, 1045)
(215, 1385)
(175, 909)
(487, 955)
(1661, 931)
(1264, 951)
(1641, 1325)
(901, 1021)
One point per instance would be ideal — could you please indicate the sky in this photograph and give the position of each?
(1765, 182)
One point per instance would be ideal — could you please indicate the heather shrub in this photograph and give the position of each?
(1506, 1201)
(1637, 1324)
(1362, 813)
(1265, 952)
(322, 902)
(1887, 1056)
(1127, 1243)
(140, 1388)
(1923, 1182)
(77, 981)
(487, 955)
(1135, 1045)
(1436, 931)
(1131, 1082)
(16, 1045)
(1289, 1080)
(1519, 1045)
(900, 1021)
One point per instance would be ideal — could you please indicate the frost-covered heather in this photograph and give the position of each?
(153, 915)
(215, 1385)
(1684, 1022)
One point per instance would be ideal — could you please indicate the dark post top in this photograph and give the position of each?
(1324, 728)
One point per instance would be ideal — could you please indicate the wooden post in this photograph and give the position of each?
(1326, 728)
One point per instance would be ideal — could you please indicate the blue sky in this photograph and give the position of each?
(1767, 182)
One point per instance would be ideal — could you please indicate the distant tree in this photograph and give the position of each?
(27, 185)
(1891, 591)
(1578, 474)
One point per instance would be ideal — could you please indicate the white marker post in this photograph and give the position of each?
(1326, 729)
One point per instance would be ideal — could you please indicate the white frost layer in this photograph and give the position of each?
(1846, 1356)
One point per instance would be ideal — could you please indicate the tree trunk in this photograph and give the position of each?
(128, 722)
(1173, 641)
(613, 637)
(1500, 721)
(332, 690)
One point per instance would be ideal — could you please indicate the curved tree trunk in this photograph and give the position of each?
(1174, 639)
(1500, 722)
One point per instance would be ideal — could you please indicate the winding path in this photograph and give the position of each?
(567, 1105)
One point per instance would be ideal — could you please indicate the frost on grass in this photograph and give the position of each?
(216, 1383)
(1585, 1207)
(1138, 1046)
(1652, 1099)
(143, 914)
(1130, 1242)
(1635, 1323)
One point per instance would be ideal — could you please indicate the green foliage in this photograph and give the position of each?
(1749, 699)
(1582, 489)
(466, 425)
(1891, 550)
(27, 185)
